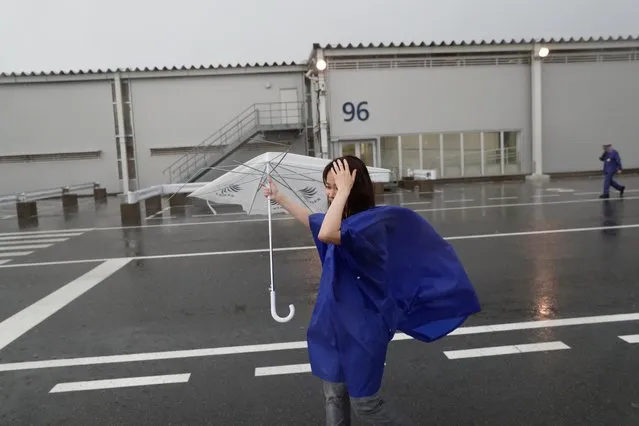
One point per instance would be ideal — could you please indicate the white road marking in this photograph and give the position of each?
(587, 193)
(276, 219)
(599, 192)
(633, 338)
(2, 262)
(412, 203)
(506, 350)
(545, 195)
(27, 247)
(120, 383)
(35, 237)
(14, 242)
(560, 190)
(302, 248)
(535, 204)
(502, 198)
(53, 234)
(15, 326)
(270, 347)
(15, 253)
(8, 217)
(282, 369)
(463, 200)
(529, 325)
(161, 217)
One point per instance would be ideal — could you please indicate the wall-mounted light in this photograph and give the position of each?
(543, 52)
(320, 64)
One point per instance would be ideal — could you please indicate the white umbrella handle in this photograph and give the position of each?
(276, 317)
(291, 308)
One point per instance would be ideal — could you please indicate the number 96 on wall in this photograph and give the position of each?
(352, 111)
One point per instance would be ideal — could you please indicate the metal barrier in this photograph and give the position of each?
(162, 190)
(47, 193)
(26, 202)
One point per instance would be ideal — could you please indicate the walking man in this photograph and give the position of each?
(612, 165)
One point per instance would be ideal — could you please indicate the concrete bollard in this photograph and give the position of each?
(26, 210)
(100, 195)
(378, 188)
(70, 202)
(425, 185)
(130, 214)
(178, 203)
(153, 205)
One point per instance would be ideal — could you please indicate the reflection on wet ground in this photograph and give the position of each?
(193, 298)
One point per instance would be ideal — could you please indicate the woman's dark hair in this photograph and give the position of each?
(362, 196)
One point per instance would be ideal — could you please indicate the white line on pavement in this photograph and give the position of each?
(120, 383)
(15, 242)
(301, 248)
(634, 338)
(2, 262)
(535, 204)
(27, 247)
(282, 369)
(270, 347)
(54, 233)
(284, 218)
(463, 200)
(506, 350)
(502, 198)
(412, 203)
(15, 253)
(35, 237)
(15, 326)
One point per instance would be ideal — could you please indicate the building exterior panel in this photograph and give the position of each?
(56, 134)
(586, 105)
(183, 112)
(458, 114)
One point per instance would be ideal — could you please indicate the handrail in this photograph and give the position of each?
(256, 118)
(219, 131)
(46, 193)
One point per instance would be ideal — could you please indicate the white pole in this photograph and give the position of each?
(274, 314)
(124, 163)
(537, 127)
(270, 233)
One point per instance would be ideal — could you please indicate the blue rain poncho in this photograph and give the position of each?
(391, 272)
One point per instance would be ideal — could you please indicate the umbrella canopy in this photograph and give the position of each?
(299, 177)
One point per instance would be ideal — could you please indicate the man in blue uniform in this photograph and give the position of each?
(612, 165)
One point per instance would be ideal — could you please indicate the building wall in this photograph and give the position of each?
(586, 105)
(56, 118)
(427, 101)
(419, 100)
(182, 112)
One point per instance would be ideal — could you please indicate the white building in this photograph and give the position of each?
(483, 108)
(68, 127)
(468, 110)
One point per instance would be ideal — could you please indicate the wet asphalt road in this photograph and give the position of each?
(167, 304)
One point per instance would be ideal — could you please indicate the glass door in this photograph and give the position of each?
(363, 150)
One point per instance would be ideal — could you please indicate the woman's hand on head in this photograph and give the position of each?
(344, 178)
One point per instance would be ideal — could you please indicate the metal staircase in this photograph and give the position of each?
(253, 121)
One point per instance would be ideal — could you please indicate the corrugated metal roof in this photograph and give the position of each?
(478, 42)
(151, 69)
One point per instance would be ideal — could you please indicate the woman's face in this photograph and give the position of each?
(330, 187)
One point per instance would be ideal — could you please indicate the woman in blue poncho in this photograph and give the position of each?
(384, 269)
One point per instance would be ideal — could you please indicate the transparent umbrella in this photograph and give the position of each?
(297, 176)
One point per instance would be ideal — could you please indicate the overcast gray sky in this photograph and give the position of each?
(81, 34)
